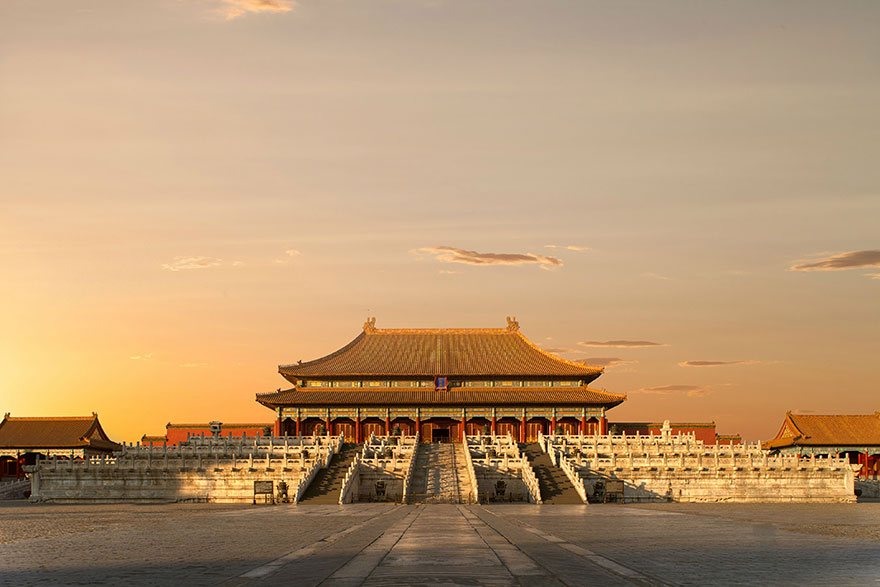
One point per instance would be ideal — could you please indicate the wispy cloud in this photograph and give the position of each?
(185, 263)
(841, 261)
(558, 350)
(714, 363)
(568, 247)
(192, 365)
(627, 344)
(803, 412)
(453, 255)
(232, 9)
(652, 275)
(146, 357)
(688, 390)
(609, 362)
(288, 255)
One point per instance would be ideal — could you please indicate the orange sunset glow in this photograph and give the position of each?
(195, 192)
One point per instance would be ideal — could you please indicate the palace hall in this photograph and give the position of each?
(443, 383)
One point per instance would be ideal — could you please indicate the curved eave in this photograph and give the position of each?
(294, 377)
(295, 368)
(387, 397)
(55, 445)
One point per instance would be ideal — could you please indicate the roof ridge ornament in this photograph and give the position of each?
(512, 324)
(370, 325)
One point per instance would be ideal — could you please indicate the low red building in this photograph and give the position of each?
(177, 433)
(704, 431)
(23, 440)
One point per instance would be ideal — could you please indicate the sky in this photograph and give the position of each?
(193, 192)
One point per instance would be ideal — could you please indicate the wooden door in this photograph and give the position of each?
(507, 429)
(532, 430)
(345, 428)
(566, 427)
(373, 428)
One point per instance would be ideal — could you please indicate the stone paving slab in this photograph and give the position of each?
(440, 544)
(385, 544)
(713, 548)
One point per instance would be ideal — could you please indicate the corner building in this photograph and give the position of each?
(443, 383)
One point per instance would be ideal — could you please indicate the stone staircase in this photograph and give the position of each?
(555, 486)
(15, 489)
(465, 488)
(325, 487)
(440, 475)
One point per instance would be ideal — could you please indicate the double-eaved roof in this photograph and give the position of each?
(837, 430)
(54, 432)
(488, 359)
(431, 352)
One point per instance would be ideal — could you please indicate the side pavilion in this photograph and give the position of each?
(24, 439)
(856, 436)
(443, 383)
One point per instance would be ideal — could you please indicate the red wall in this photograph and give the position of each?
(730, 439)
(176, 435)
(704, 432)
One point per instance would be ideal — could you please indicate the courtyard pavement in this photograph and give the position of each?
(384, 544)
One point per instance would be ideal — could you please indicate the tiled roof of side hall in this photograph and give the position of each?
(429, 352)
(392, 396)
(828, 430)
(53, 432)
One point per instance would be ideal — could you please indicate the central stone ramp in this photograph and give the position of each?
(556, 488)
(441, 547)
(327, 484)
(439, 475)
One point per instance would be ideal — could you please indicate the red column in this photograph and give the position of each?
(493, 425)
(387, 426)
(583, 425)
(276, 429)
(553, 425)
(522, 430)
(329, 428)
(298, 426)
(463, 428)
(357, 429)
(419, 426)
(603, 425)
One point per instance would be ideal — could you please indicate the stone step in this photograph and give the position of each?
(325, 487)
(15, 489)
(437, 476)
(556, 488)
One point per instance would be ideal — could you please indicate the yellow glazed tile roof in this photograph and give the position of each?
(53, 432)
(452, 352)
(828, 430)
